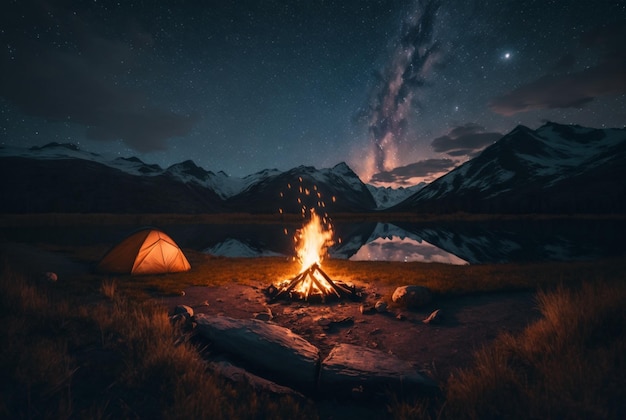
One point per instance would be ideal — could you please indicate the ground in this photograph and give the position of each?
(468, 322)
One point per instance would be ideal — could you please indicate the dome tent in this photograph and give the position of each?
(146, 251)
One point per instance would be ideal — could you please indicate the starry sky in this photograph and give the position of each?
(400, 90)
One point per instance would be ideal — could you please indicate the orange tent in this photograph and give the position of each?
(147, 251)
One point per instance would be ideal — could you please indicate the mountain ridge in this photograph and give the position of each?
(554, 169)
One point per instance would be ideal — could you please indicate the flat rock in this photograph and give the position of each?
(239, 375)
(269, 348)
(349, 366)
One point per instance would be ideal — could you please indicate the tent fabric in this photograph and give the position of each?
(148, 251)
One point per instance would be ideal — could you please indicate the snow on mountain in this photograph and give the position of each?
(238, 249)
(339, 181)
(52, 150)
(554, 168)
(386, 197)
(336, 189)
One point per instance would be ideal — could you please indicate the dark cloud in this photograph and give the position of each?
(573, 89)
(405, 175)
(465, 140)
(83, 82)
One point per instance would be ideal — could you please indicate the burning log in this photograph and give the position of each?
(312, 282)
(311, 244)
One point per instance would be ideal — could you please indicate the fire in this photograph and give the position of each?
(312, 241)
(311, 244)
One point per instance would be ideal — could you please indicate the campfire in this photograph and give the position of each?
(312, 242)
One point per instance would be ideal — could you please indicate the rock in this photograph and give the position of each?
(348, 367)
(323, 321)
(184, 310)
(276, 351)
(262, 316)
(433, 318)
(381, 306)
(400, 317)
(411, 296)
(367, 310)
(239, 375)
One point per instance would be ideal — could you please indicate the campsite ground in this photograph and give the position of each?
(469, 320)
(467, 323)
(478, 302)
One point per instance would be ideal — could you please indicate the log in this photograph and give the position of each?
(271, 350)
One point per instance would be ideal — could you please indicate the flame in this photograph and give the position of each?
(312, 241)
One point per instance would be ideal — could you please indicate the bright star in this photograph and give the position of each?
(507, 55)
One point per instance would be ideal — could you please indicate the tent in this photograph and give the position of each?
(147, 251)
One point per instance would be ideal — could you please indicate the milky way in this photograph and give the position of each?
(400, 81)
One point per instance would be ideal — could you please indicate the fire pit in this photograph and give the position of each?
(312, 282)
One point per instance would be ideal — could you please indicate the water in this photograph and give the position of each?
(445, 242)
(451, 242)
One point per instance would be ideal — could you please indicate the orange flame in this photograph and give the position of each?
(312, 241)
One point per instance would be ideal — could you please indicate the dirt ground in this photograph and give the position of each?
(467, 322)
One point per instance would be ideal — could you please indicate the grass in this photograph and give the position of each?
(571, 364)
(112, 358)
(97, 346)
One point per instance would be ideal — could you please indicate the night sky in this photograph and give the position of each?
(400, 90)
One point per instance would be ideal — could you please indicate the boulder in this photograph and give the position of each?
(349, 367)
(270, 349)
(411, 297)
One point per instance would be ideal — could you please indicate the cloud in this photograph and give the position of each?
(406, 175)
(86, 85)
(465, 140)
(573, 89)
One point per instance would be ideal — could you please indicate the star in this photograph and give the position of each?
(506, 56)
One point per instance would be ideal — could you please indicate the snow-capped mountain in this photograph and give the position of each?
(62, 177)
(386, 197)
(556, 168)
(334, 189)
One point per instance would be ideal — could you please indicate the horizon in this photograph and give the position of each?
(106, 155)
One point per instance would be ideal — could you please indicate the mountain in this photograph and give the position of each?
(63, 178)
(86, 186)
(554, 169)
(336, 189)
(386, 197)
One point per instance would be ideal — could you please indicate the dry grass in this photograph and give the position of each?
(569, 364)
(109, 359)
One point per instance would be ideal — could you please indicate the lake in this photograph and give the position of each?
(482, 242)
(445, 242)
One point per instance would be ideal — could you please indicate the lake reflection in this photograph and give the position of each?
(494, 241)
(407, 250)
(449, 242)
